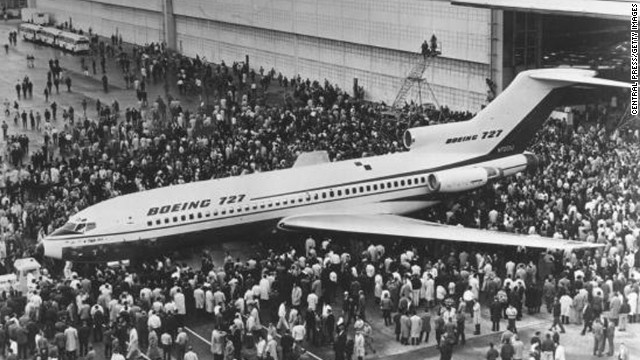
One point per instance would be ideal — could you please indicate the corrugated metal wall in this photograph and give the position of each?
(138, 21)
(375, 41)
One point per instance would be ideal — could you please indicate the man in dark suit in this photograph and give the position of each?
(84, 332)
(496, 312)
(507, 351)
(340, 344)
(426, 326)
(439, 325)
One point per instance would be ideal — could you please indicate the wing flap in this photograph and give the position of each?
(393, 225)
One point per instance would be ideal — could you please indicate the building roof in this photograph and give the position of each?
(607, 9)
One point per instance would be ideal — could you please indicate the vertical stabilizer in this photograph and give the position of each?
(508, 123)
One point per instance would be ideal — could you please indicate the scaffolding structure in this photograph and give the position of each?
(415, 78)
(627, 119)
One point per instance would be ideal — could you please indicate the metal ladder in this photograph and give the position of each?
(415, 76)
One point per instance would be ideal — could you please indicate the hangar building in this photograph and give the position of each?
(376, 42)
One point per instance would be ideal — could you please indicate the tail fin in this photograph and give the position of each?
(507, 124)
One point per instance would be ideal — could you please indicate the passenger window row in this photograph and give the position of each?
(309, 197)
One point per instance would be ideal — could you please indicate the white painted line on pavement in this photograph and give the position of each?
(312, 354)
(198, 336)
(278, 335)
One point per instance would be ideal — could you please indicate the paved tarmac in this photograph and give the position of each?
(14, 68)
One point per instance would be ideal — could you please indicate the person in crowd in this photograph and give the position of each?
(386, 306)
(588, 316)
(598, 337)
(496, 314)
(359, 345)
(506, 351)
(557, 315)
(426, 327)
(623, 352)
(615, 302)
(492, 353)
(217, 344)
(405, 328)
(340, 344)
(71, 342)
(446, 347)
(609, 334)
(166, 342)
(518, 348)
(547, 347)
(460, 328)
(511, 313)
(438, 322)
(190, 354)
(477, 312)
(566, 302)
(416, 328)
(560, 353)
(623, 315)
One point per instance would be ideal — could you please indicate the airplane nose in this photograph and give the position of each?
(39, 251)
(51, 248)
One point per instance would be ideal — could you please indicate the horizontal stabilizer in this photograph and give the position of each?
(312, 158)
(393, 225)
(573, 77)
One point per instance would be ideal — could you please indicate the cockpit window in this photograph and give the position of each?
(72, 228)
(66, 229)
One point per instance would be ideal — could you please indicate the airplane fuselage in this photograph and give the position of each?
(179, 216)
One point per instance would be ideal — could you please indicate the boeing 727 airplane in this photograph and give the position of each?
(367, 196)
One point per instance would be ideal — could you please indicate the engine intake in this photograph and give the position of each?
(459, 180)
(408, 139)
(414, 137)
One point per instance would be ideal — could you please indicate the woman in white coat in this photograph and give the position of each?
(559, 353)
(428, 288)
(358, 345)
(565, 308)
(378, 287)
(633, 305)
(477, 312)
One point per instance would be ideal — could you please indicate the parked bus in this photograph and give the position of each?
(49, 36)
(73, 42)
(30, 32)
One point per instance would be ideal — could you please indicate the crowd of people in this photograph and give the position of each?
(284, 298)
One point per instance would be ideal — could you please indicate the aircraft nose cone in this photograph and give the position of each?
(39, 255)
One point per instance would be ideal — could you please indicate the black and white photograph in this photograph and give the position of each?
(319, 180)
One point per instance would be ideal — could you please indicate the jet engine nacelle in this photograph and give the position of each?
(418, 137)
(412, 138)
(459, 180)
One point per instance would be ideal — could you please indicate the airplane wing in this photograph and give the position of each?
(393, 225)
